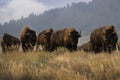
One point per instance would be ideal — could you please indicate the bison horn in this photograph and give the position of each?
(80, 32)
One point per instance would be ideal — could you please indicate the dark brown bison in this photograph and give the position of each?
(28, 38)
(44, 39)
(9, 43)
(67, 37)
(104, 39)
(86, 47)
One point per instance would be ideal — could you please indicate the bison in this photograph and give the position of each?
(67, 37)
(9, 43)
(28, 38)
(104, 39)
(43, 39)
(85, 47)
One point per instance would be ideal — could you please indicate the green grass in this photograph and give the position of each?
(59, 65)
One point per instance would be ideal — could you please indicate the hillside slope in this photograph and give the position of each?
(81, 15)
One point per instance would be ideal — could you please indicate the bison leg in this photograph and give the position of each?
(53, 47)
(96, 48)
(24, 47)
(30, 47)
(47, 47)
(3, 48)
(37, 47)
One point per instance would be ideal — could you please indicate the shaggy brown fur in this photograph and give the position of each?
(28, 38)
(86, 47)
(67, 37)
(9, 43)
(44, 39)
(104, 39)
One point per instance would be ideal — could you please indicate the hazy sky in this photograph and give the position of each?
(15, 9)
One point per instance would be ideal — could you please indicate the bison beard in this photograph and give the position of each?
(104, 39)
(67, 37)
(28, 39)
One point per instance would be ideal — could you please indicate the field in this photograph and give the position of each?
(59, 65)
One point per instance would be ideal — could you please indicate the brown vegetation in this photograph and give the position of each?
(59, 65)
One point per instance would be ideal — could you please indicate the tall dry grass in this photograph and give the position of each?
(59, 65)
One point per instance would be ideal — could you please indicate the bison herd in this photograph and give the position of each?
(103, 39)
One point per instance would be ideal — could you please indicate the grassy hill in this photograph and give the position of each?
(59, 65)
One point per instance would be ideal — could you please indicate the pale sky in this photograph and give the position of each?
(15, 9)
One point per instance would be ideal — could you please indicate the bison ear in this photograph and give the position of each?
(79, 34)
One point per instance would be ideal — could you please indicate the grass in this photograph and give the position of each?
(59, 65)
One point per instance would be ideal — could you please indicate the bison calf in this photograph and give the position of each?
(85, 47)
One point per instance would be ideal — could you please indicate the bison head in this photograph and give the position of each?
(108, 29)
(30, 37)
(48, 33)
(71, 37)
(72, 32)
(107, 32)
(111, 34)
(111, 37)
